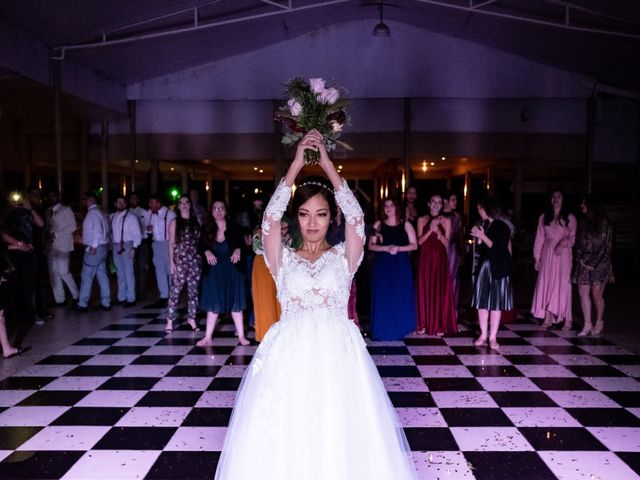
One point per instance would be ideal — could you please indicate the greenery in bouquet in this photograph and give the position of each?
(310, 105)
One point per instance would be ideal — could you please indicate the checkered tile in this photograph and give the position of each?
(132, 402)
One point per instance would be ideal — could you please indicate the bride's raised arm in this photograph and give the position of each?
(348, 203)
(271, 234)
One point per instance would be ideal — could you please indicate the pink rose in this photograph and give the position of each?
(316, 84)
(295, 107)
(335, 126)
(329, 95)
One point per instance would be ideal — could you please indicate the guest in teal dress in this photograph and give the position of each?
(222, 283)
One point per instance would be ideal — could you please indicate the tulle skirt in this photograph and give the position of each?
(312, 406)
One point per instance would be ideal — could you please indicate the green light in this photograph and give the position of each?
(100, 189)
(174, 193)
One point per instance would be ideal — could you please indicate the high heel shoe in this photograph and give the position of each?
(586, 331)
(494, 345)
(597, 330)
(546, 324)
(169, 326)
(194, 326)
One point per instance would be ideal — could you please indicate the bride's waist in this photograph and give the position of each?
(296, 312)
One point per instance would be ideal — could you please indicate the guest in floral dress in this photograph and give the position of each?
(593, 269)
(184, 262)
(553, 260)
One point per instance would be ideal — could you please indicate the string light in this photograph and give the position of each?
(206, 185)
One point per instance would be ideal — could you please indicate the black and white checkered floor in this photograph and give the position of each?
(133, 402)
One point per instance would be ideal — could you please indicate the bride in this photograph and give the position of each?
(312, 404)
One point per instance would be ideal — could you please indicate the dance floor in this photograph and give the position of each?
(133, 402)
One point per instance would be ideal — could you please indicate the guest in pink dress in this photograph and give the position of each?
(434, 289)
(553, 260)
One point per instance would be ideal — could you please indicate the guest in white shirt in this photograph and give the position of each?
(126, 235)
(158, 220)
(60, 224)
(141, 262)
(95, 238)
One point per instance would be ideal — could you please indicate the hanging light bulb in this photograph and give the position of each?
(403, 182)
(381, 29)
(424, 166)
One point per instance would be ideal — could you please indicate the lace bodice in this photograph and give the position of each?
(319, 287)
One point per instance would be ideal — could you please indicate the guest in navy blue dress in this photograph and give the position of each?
(222, 283)
(393, 303)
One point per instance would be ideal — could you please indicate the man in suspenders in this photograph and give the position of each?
(126, 235)
(159, 218)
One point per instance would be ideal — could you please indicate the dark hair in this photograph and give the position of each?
(184, 224)
(446, 194)
(306, 190)
(595, 217)
(491, 207)
(549, 215)
(91, 195)
(399, 210)
(210, 231)
(155, 196)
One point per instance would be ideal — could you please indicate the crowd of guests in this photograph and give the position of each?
(218, 260)
(419, 292)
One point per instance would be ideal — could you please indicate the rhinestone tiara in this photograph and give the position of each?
(316, 183)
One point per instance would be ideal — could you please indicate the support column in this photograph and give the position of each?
(57, 121)
(82, 154)
(4, 145)
(376, 196)
(185, 180)
(467, 193)
(592, 112)
(278, 158)
(104, 161)
(133, 151)
(517, 189)
(406, 140)
(209, 190)
(490, 179)
(23, 152)
(154, 169)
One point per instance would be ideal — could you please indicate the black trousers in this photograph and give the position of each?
(21, 291)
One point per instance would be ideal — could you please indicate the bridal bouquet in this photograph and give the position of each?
(310, 106)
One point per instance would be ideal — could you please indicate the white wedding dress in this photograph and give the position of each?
(312, 405)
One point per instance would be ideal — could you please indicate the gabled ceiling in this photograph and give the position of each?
(144, 39)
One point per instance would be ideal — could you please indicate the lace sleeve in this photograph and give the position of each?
(354, 228)
(271, 235)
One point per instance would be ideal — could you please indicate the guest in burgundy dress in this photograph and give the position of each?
(434, 290)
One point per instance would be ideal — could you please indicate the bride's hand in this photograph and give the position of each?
(308, 142)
